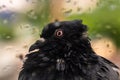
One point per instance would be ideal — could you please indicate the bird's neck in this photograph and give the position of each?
(84, 52)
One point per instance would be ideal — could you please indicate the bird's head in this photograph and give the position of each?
(63, 36)
(64, 30)
(69, 31)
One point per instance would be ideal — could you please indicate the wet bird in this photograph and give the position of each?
(64, 52)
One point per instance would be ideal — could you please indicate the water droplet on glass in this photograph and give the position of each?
(20, 56)
(6, 68)
(68, 1)
(63, 9)
(34, 17)
(113, 7)
(3, 6)
(32, 1)
(32, 14)
(108, 26)
(8, 47)
(90, 9)
(21, 26)
(5, 21)
(26, 26)
(11, 1)
(99, 36)
(78, 9)
(27, 0)
(13, 15)
(8, 37)
(68, 12)
(97, 3)
(34, 30)
(25, 46)
(108, 45)
(110, 51)
(75, 3)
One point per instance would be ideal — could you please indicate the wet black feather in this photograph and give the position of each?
(69, 57)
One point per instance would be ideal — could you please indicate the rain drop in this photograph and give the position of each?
(32, 1)
(41, 0)
(8, 37)
(68, 1)
(108, 45)
(34, 30)
(31, 14)
(25, 46)
(3, 6)
(21, 26)
(78, 9)
(8, 47)
(11, 1)
(113, 7)
(108, 26)
(26, 26)
(68, 12)
(110, 51)
(98, 3)
(5, 21)
(20, 56)
(27, 0)
(34, 17)
(90, 9)
(63, 9)
(99, 36)
(75, 3)
(13, 15)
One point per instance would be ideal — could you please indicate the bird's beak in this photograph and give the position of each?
(37, 45)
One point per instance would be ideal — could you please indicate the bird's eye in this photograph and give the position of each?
(59, 33)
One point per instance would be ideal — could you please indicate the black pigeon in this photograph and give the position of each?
(64, 52)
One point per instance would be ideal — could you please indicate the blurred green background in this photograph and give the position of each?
(103, 20)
